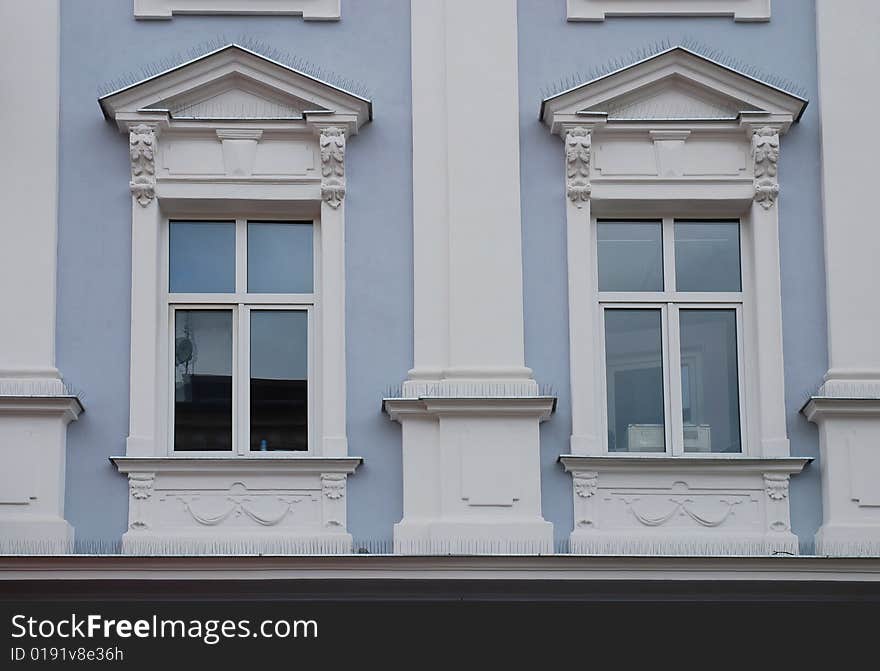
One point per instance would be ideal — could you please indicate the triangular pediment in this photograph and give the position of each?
(234, 83)
(673, 85)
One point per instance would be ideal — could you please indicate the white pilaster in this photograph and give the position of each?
(471, 468)
(847, 406)
(764, 223)
(35, 406)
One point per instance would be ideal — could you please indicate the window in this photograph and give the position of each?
(670, 297)
(241, 296)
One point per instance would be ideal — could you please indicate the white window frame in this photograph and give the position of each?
(670, 302)
(241, 303)
(310, 10)
(598, 10)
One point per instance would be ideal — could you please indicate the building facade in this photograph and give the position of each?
(581, 277)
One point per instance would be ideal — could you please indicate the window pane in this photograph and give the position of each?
(202, 257)
(280, 258)
(707, 256)
(203, 380)
(709, 381)
(630, 256)
(279, 380)
(634, 372)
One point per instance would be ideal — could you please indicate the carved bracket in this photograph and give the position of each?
(778, 513)
(765, 151)
(333, 490)
(586, 484)
(333, 166)
(140, 488)
(142, 149)
(578, 145)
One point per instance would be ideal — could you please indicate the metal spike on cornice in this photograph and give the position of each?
(259, 47)
(690, 44)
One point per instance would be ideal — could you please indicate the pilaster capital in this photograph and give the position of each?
(332, 142)
(142, 152)
(578, 149)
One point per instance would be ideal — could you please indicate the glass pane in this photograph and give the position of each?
(279, 380)
(202, 257)
(280, 258)
(709, 381)
(634, 373)
(203, 380)
(707, 256)
(630, 256)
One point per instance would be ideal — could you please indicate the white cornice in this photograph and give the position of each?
(598, 10)
(310, 10)
(703, 464)
(206, 465)
(535, 406)
(360, 567)
(677, 68)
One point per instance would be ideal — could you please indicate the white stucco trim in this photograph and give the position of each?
(314, 10)
(481, 568)
(677, 136)
(598, 10)
(208, 162)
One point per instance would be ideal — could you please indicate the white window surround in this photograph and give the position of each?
(315, 10)
(677, 135)
(193, 157)
(598, 10)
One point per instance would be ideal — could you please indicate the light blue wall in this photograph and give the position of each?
(101, 42)
(551, 48)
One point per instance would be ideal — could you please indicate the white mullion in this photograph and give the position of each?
(676, 422)
(241, 379)
(240, 258)
(740, 383)
(668, 255)
(604, 375)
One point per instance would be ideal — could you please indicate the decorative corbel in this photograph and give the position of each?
(578, 144)
(140, 487)
(776, 488)
(333, 165)
(142, 149)
(765, 151)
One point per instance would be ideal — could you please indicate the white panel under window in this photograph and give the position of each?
(599, 10)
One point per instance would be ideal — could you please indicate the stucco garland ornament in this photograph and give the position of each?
(765, 147)
(142, 144)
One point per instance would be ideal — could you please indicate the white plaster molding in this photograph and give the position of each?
(210, 162)
(577, 164)
(333, 166)
(667, 505)
(310, 10)
(210, 505)
(142, 142)
(471, 408)
(765, 151)
(598, 10)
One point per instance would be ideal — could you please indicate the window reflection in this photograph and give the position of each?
(279, 380)
(203, 380)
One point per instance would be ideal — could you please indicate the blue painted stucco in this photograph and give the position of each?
(551, 48)
(100, 42)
